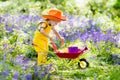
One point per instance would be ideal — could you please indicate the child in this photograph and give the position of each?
(41, 37)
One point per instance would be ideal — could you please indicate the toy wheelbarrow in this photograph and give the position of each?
(73, 52)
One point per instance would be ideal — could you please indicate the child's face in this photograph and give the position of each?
(53, 23)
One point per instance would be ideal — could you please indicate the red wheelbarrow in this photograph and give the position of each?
(73, 53)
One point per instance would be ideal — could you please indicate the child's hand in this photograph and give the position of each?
(62, 41)
(52, 41)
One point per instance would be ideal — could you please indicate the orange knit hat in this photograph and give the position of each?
(55, 15)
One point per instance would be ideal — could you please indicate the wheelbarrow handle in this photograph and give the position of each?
(83, 50)
(54, 47)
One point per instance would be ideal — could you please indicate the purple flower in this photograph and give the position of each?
(118, 63)
(25, 61)
(16, 74)
(37, 17)
(43, 75)
(26, 67)
(5, 46)
(9, 28)
(28, 77)
(6, 72)
(95, 78)
(46, 71)
(11, 50)
(115, 56)
(106, 37)
(35, 68)
(96, 36)
(50, 65)
(1, 19)
(84, 37)
(48, 68)
(6, 15)
(19, 59)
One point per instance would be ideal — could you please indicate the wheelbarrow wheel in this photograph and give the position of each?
(83, 63)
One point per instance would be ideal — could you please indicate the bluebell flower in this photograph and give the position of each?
(25, 61)
(96, 37)
(6, 72)
(26, 67)
(19, 59)
(35, 68)
(16, 74)
(109, 31)
(37, 73)
(28, 77)
(46, 70)
(39, 67)
(118, 63)
(115, 56)
(90, 21)
(11, 50)
(71, 24)
(84, 37)
(50, 65)
(8, 28)
(5, 46)
(95, 78)
(37, 17)
(6, 15)
(1, 19)
(25, 18)
(106, 37)
(43, 75)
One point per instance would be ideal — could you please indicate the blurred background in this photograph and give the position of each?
(91, 23)
(110, 8)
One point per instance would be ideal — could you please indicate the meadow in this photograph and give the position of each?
(95, 25)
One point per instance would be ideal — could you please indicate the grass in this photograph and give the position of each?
(98, 70)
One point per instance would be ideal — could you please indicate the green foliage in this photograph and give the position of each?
(31, 52)
(13, 39)
(114, 73)
(117, 4)
(103, 66)
(3, 0)
(105, 52)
